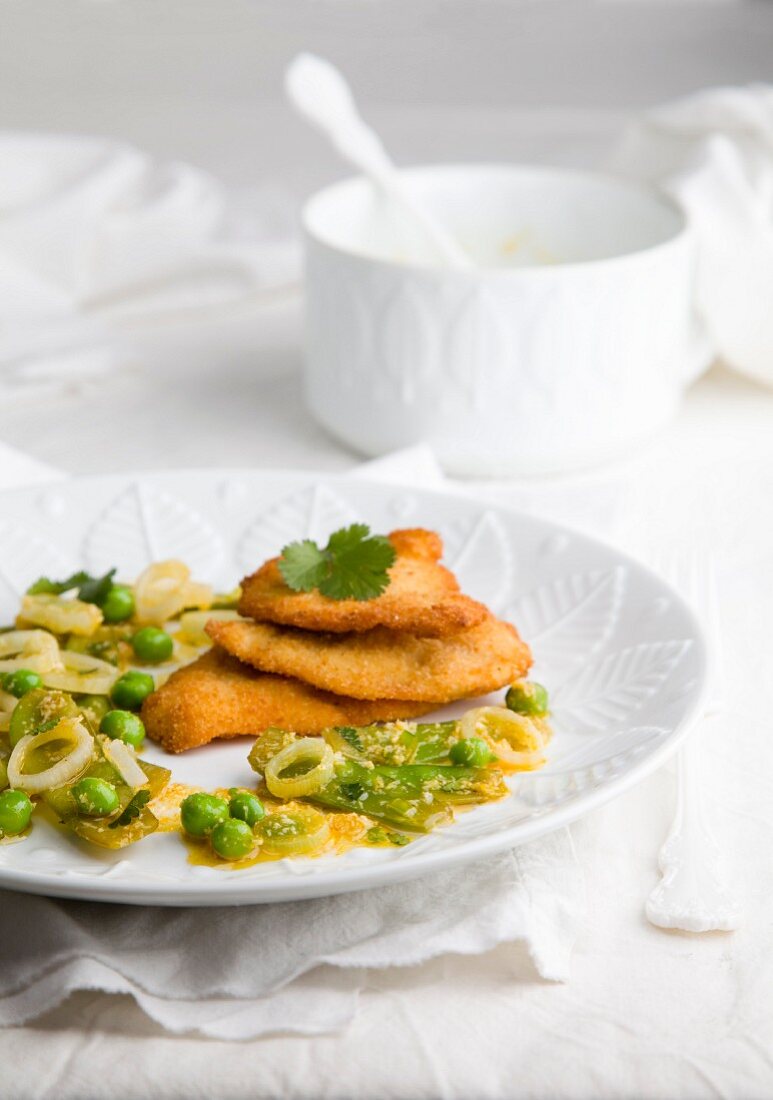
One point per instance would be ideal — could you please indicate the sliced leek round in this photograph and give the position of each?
(267, 745)
(293, 831)
(514, 739)
(302, 768)
(78, 750)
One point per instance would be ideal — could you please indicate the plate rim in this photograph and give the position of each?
(229, 889)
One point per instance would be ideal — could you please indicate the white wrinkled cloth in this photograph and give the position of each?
(236, 973)
(713, 152)
(93, 234)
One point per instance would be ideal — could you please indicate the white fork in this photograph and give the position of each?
(692, 895)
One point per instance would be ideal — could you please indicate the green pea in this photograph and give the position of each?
(15, 812)
(473, 752)
(122, 725)
(118, 604)
(95, 797)
(152, 645)
(131, 690)
(3, 774)
(200, 813)
(245, 806)
(21, 681)
(232, 839)
(527, 697)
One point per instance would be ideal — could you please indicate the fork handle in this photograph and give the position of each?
(691, 895)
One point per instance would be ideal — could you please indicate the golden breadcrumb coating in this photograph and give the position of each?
(423, 597)
(217, 696)
(380, 664)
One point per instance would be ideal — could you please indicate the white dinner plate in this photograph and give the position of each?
(620, 653)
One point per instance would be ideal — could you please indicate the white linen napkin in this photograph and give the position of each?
(94, 234)
(243, 972)
(713, 152)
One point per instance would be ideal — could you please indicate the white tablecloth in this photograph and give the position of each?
(646, 1013)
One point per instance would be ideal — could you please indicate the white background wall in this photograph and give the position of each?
(200, 79)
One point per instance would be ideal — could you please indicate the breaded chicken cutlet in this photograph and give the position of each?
(217, 696)
(381, 664)
(422, 599)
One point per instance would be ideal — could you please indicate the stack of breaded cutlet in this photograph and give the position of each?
(303, 661)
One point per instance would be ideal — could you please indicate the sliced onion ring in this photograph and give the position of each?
(64, 770)
(312, 749)
(515, 739)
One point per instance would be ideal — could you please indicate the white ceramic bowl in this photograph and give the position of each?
(572, 338)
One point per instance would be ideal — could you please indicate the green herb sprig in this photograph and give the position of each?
(90, 589)
(133, 809)
(353, 566)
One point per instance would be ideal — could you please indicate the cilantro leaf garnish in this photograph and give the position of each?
(133, 809)
(351, 737)
(303, 565)
(95, 589)
(44, 586)
(353, 566)
(90, 589)
(352, 791)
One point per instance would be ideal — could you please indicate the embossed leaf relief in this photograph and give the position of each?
(618, 748)
(23, 558)
(481, 558)
(406, 345)
(312, 513)
(570, 618)
(610, 689)
(142, 525)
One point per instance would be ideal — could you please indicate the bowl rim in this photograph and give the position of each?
(650, 193)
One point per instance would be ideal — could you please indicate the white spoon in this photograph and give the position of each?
(319, 91)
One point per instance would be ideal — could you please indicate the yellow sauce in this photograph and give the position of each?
(346, 831)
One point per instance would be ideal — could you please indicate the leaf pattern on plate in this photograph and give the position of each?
(312, 513)
(142, 525)
(23, 558)
(571, 618)
(612, 688)
(650, 684)
(481, 558)
(602, 750)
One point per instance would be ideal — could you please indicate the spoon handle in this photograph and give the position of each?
(320, 93)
